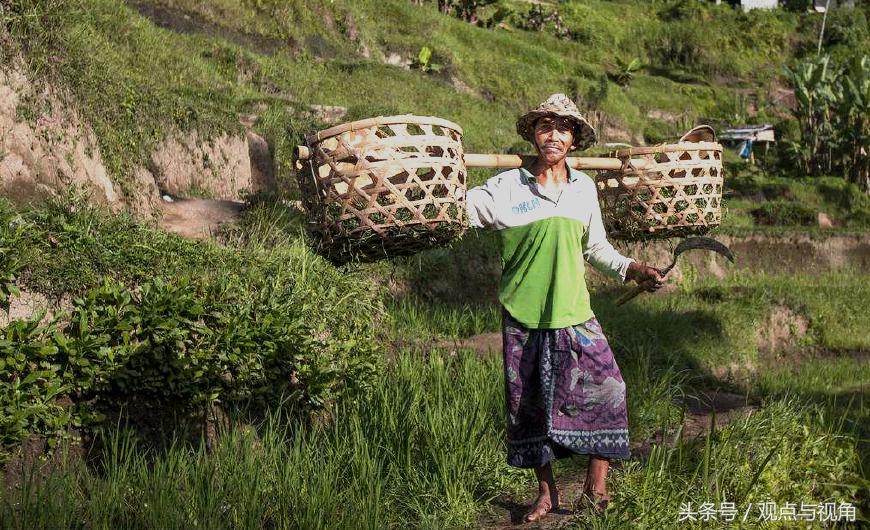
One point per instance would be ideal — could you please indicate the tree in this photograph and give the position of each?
(833, 112)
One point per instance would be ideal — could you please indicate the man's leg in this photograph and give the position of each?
(596, 480)
(548, 496)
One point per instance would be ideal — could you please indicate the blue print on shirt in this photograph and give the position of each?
(526, 206)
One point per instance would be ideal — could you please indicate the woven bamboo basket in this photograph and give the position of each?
(678, 191)
(385, 186)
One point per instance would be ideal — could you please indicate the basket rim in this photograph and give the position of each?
(319, 136)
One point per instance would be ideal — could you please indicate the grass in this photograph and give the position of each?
(765, 457)
(425, 447)
(714, 323)
(418, 319)
(426, 450)
(748, 190)
(422, 451)
(273, 59)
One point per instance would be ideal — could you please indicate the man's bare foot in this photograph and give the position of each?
(544, 504)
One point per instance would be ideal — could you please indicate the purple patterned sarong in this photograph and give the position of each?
(565, 394)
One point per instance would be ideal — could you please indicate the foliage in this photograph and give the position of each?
(680, 44)
(784, 213)
(174, 326)
(846, 31)
(466, 10)
(538, 18)
(174, 347)
(762, 456)
(265, 57)
(31, 382)
(12, 233)
(426, 450)
(833, 110)
(426, 320)
(423, 450)
(624, 71)
(423, 61)
(749, 188)
(39, 22)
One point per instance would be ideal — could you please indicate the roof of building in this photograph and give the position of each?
(758, 133)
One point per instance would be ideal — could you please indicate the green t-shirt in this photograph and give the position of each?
(543, 283)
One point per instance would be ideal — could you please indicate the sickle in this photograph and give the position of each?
(690, 243)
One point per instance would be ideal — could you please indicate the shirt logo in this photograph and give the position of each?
(526, 206)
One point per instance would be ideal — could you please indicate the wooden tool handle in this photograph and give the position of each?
(630, 294)
(302, 152)
(639, 288)
(514, 161)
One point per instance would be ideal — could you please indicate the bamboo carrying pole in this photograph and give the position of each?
(302, 152)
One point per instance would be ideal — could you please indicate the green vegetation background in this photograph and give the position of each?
(136, 83)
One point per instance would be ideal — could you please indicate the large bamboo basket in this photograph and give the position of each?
(385, 186)
(395, 185)
(677, 192)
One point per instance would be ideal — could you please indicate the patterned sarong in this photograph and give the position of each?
(565, 394)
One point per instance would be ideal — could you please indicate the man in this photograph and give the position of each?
(565, 393)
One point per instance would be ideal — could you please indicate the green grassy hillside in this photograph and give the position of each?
(139, 71)
(353, 400)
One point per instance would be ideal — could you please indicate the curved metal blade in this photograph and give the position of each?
(703, 243)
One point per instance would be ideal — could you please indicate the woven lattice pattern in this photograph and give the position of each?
(386, 186)
(679, 193)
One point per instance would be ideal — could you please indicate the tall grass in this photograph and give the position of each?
(424, 451)
(415, 318)
(785, 452)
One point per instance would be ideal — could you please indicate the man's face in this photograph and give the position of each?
(553, 138)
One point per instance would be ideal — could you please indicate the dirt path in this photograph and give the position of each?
(181, 21)
(197, 218)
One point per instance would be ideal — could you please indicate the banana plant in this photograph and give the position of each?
(833, 112)
(813, 83)
(854, 113)
(624, 70)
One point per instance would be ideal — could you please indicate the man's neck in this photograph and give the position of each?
(554, 176)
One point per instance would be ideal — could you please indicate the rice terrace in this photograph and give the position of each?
(302, 264)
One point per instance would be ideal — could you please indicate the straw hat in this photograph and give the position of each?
(558, 105)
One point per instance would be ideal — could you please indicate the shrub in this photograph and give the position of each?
(680, 44)
(784, 213)
(173, 347)
(623, 71)
(30, 383)
(180, 345)
(248, 326)
(463, 9)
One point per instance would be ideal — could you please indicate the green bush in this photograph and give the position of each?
(784, 213)
(680, 44)
(31, 382)
(180, 344)
(160, 323)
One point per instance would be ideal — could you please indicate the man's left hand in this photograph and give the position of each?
(649, 277)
